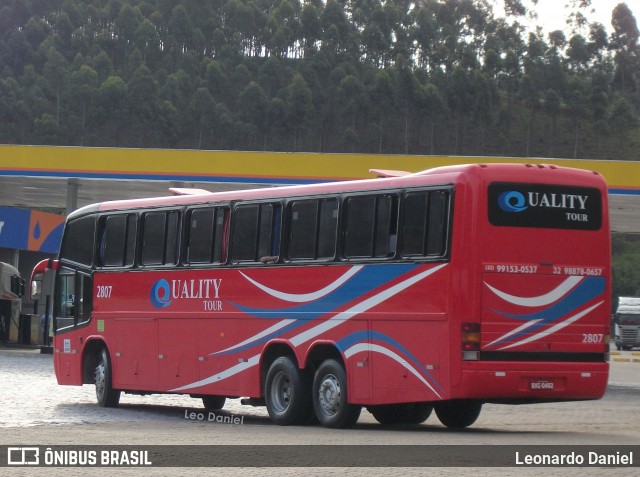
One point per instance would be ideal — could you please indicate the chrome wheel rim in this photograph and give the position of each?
(330, 394)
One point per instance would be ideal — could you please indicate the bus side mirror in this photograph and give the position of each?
(36, 287)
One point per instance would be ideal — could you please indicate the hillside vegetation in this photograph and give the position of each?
(369, 76)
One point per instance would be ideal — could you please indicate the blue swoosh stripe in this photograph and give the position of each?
(367, 279)
(582, 294)
(365, 336)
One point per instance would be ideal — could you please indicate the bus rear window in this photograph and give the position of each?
(544, 206)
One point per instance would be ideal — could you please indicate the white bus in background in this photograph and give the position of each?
(11, 291)
(627, 323)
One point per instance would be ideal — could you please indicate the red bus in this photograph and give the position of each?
(440, 290)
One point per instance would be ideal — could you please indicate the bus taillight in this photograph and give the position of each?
(470, 341)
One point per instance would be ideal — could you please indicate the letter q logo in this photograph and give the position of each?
(160, 294)
(512, 201)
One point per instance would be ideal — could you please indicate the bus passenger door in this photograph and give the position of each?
(72, 313)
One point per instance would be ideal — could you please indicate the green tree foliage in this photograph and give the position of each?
(626, 266)
(369, 76)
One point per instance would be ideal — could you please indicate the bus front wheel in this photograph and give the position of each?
(105, 394)
(458, 413)
(330, 398)
(287, 393)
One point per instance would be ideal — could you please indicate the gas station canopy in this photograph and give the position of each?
(61, 179)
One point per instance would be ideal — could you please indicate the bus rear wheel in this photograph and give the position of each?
(330, 398)
(105, 394)
(408, 413)
(287, 393)
(458, 413)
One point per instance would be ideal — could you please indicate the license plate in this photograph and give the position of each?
(541, 384)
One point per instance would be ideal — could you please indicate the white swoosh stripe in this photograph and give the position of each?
(306, 297)
(361, 307)
(362, 347)
(542, 300)
(271, 329)
(238, 368)
(555, 328)
(528, 324)
(316, 330)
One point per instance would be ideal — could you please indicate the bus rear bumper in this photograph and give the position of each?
(533, 382)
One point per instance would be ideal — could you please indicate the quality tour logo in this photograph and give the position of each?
(161, 294)
(205, 290)
(545, 206)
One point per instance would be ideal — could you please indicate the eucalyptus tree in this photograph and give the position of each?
(624, 40)
(84, 85)
(299, 108)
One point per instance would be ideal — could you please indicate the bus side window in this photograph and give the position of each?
(160, 238)
(78, 241)
(223, 218)
(370, 225)
(117, 240)
(425, 224)
(74, 299)
(327, 228)
(256, 233)
(206, 235)
(303, 229)
(245, 232)
(438, 223)
(313, 229)
(201, 230)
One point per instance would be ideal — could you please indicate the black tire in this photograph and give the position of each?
(105, 394)
(409, 413)
(330, 397)
(213, 403)
(287, 393)
(458, 413)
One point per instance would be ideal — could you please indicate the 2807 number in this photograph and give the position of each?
(593, 338)
(104, 291)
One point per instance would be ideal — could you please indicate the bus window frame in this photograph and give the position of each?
(337, 198)
(82, 282)
(185, 256)
(179, 238)
(395, 195)
(449, 217)
(65, 259)
(101, 223)
(278, 239)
